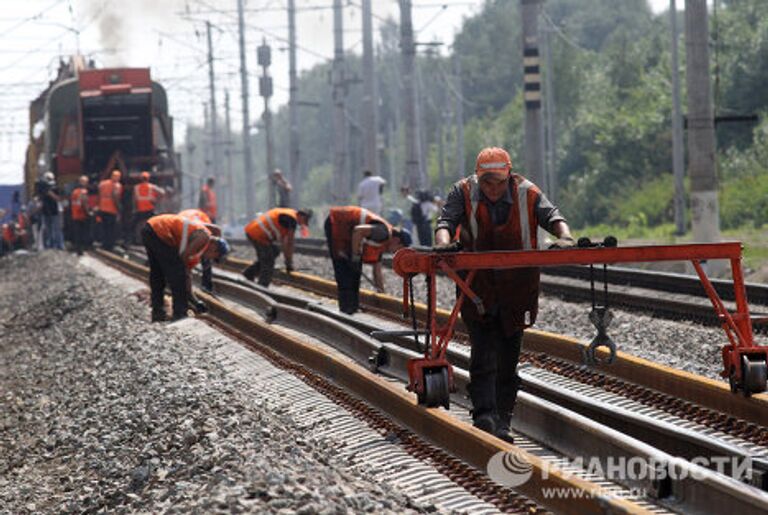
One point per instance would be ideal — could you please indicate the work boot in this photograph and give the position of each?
(502, 429)
(485, 422)
(159, 316)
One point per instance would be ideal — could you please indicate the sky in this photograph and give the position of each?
(169, 36)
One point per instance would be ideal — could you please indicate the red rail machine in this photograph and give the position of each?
(431, 377)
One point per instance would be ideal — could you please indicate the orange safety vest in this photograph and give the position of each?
(79, 208)
(343, 222)
(266, 228)
(174, 230)
(145, 196)
(195, 214)
(106, 202)
(514, 291)
(8, 235)
(210, 201)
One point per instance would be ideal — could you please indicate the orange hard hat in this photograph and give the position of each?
(144, 176)
(116, 174)
(493, 161)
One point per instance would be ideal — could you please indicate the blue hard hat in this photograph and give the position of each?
(405, 237)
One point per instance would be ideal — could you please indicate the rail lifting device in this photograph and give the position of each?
(745, 363)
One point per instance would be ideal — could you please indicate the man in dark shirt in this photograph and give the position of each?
(49, 193)
(498, 210)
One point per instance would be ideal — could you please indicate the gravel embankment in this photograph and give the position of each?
(102, 411)
(679, 344)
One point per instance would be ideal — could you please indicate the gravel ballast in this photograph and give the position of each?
(102, 411)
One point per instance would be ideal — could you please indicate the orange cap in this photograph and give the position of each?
(144, 176)
(493, 161)
(116, 175)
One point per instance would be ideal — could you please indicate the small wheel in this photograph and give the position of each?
(436, 388)
(754, 375)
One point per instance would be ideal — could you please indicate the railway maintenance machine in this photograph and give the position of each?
(431, 377)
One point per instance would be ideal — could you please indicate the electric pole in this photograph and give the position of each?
(250, 204)
(214, 169)
(459, 114)
(293, 114)
(678, 166)
(340, 178)
(228, 156)
(206, 142)
(408, 49)
(705, 213)
(370, 93)
(533, 151)
(549, 105)
(264, 57)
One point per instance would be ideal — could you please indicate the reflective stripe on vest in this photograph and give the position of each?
(272, 232)
(521, 205)
(184, 236)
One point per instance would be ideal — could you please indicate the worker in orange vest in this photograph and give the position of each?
(8, 238)
(80, 213)
(497, 209)
(356, 236)
(198, 215)
(268, 233)
(145, 198)
(110, 194)
(208, 199)
(174, 246)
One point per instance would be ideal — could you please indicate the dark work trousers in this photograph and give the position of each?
(493, 368)
(108, 231)
(347, 277)
(80, 235)
(425, 233)
(207, 277)
(264, 265)
(139, 219)
(165, 267)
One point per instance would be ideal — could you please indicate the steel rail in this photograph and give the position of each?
(460, 439)
(675, 483)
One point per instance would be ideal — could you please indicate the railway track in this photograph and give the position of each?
(561, 403)
(629, 289)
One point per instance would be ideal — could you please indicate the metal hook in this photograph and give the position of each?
(601, 318)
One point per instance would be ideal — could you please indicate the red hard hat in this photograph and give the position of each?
(493, 160)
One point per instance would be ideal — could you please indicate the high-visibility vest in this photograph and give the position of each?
(210, 207)
(266, 228)
(145, 196)
(174, 231)
(106, 201)
(79, 204)
(8, 234)
(195, 214)
(515, 291)
(343, 221)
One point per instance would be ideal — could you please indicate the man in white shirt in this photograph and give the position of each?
(369, 192)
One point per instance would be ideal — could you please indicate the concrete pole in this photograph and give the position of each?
(459, 119)
(213, 113)
(370, 93)
(551, 140)
(293, 113)
(408, 49)
(250, 201)
(206, 141)
(230, 191)
(678, 165)
(533, 143)
(340, 194)
(264, 55)
(705, 212)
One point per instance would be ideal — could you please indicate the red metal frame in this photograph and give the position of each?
(737, 325)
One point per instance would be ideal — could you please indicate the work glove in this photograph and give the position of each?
(198, 306)
(565, 242)
(455, 246)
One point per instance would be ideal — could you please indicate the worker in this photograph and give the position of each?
(356, 236)
(199, 215)
(145, 198)
(80, 213)
(282, 187)
(268, 233)
(498, 210)
(208, 199)
(110, 193)
(174, 246)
